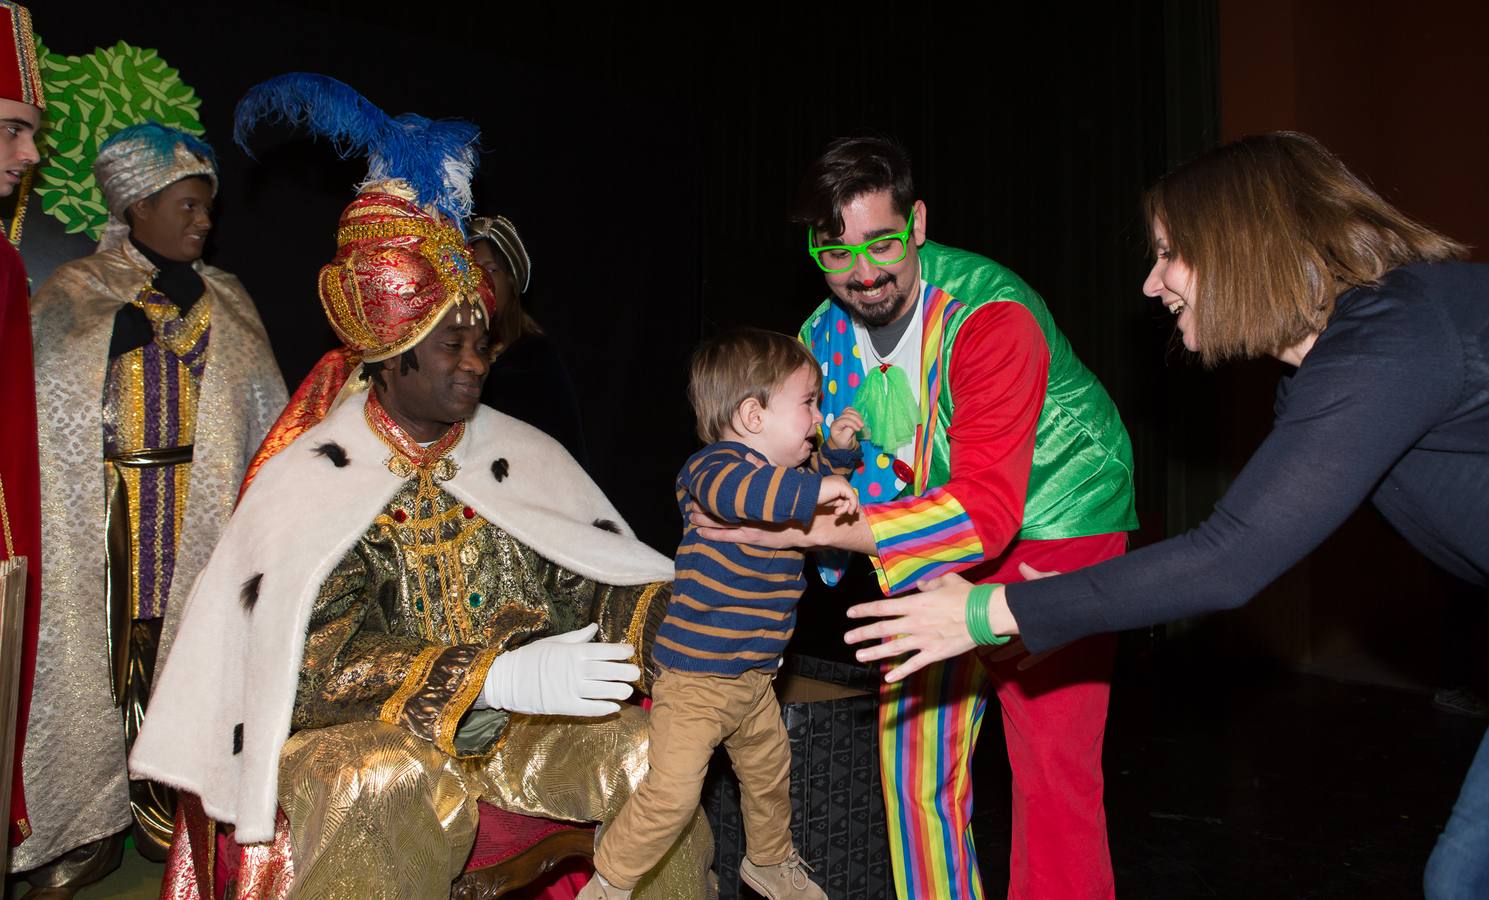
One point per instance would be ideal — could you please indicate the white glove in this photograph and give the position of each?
(562, 675)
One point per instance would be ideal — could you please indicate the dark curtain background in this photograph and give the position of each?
(649, 159)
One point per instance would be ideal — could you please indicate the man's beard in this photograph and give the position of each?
(883, 311)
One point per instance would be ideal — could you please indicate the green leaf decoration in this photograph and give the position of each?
(88, 99)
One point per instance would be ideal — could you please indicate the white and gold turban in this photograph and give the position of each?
(142, 160)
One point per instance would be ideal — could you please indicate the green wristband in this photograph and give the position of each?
(978, 623)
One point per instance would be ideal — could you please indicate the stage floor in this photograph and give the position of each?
(1225, 783)
(1230, 783)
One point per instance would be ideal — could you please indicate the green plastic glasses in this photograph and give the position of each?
(884, 251)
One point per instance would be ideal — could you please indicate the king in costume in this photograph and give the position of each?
(155, 381)
(334, 662)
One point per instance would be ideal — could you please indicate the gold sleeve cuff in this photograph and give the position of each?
(633, 615)
(440, 686)
(469, 688)
(418, 674)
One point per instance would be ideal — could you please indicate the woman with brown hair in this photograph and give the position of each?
(1269, 246)
(527, 379)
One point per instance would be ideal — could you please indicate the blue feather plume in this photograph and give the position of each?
(437, 159)
(161, 140)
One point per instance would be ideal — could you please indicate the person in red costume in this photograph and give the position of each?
(988, 445)
(21, 103)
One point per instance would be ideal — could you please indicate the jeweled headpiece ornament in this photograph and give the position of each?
(396, 273)
(141, 160)
(401, 260)
(20, 77)
(502, 234)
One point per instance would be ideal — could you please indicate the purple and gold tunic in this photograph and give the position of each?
(149, 410)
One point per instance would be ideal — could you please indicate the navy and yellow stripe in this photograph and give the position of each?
(733, 606)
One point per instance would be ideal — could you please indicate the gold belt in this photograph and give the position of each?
(152, 459)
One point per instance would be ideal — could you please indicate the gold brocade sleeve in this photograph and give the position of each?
(632, 615)
(357, 669)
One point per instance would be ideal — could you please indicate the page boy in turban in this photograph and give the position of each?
(155, 382)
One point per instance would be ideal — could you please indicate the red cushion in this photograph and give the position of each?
(229, 861)
(502, 835)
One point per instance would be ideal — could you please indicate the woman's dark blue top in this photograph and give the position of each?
(1391, 403)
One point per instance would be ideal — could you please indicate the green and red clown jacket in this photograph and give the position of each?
(1017, 439)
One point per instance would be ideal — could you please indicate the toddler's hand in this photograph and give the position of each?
(843, 435)
(837, 493)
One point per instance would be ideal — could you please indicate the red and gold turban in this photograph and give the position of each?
(20, 79)
(398, 270)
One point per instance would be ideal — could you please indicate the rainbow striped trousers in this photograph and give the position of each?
(1054, 720)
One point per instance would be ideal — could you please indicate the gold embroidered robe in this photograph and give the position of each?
(407, 624)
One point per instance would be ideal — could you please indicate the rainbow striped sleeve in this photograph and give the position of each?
(920, 537)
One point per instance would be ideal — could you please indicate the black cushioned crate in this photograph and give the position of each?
(837, 804)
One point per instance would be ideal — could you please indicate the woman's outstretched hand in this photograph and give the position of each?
(931, 625)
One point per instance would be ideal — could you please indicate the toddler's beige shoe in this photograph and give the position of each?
(778, 882)
(600, 889)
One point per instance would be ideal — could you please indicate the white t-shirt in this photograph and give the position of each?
(905, 355)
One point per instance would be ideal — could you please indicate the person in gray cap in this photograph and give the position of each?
(143, 480)
(528, 379)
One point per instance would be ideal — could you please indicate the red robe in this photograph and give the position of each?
(19, 476)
